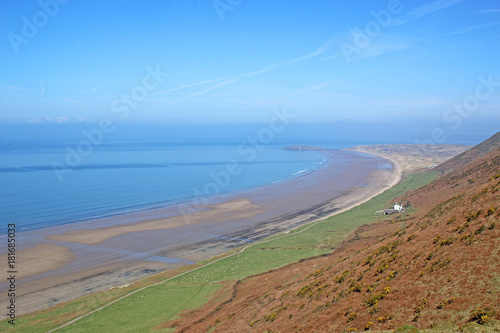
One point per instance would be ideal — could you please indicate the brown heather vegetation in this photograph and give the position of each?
(438, 270)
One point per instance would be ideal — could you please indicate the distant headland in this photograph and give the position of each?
(302, 147)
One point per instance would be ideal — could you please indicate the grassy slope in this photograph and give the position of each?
(146, 309)
(152, 306)
(440, 271)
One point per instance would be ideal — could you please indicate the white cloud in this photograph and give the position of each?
(36, 121)
(60, 120)
(57, 120)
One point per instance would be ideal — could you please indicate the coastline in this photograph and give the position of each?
(132, 247)
(155, 207)
(398, 176)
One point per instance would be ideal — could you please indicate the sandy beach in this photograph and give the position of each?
(233, 209)
(62, 263)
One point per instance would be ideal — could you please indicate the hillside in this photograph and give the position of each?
(475, 152)
(162, 297)
(438, 268)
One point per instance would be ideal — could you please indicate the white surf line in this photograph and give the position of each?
(286, 234)
(299, 172)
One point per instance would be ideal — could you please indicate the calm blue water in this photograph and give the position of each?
(122, 177)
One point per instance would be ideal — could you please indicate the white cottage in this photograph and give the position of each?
(398, 207)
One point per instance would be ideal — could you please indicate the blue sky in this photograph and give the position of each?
(234, 61)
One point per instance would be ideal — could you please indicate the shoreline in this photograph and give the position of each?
(228, 222)
(126, 214)
(396, 180)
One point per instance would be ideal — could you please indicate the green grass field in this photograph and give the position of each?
(148, 308)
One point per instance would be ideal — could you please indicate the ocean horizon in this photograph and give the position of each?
(48, 177)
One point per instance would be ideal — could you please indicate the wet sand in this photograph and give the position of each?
(65, 262)
(55, 256)
(233, 209)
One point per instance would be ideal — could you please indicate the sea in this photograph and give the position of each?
(54, 175)
(46, 185)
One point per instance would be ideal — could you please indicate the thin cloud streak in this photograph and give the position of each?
(189, 85)
(471, 28)
(330, 57)
(9, 87)
(304, 90)
(212, 88)
(235, 78)
(320, 50)
(381, 48)
(92, 90)
(423, 10)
